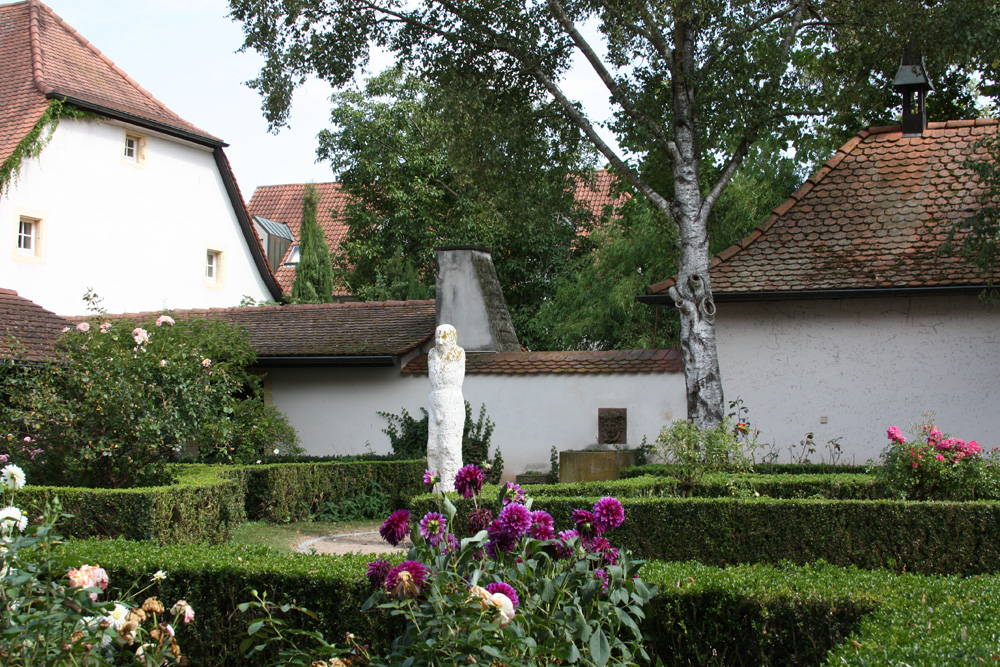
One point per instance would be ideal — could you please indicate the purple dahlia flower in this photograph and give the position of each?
(433, 527)
(378, 570)
(609, 512)
(602, 576)
(406, 580)
(395, 527)
(515, 519)
(600, 545)
(542, 525)
(479, 520)
(469, 480)
(587, 524)
(515, 494)
(506, 589)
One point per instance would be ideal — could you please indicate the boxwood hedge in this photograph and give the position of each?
(760, 614)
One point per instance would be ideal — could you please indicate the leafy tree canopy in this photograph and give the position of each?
(458, 163)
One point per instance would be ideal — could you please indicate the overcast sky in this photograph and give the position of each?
(184, 53)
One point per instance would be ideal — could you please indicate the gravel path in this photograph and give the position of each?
(369, 542)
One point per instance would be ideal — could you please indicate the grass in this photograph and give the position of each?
(284, 537)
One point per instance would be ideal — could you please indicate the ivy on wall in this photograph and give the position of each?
(32, 144)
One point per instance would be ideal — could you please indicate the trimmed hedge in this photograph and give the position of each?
(205, 505)
(904, 536)
(293, 491)
(215, 579)
(718, 485)
(668, 469)
(209, 501)
(744, 615)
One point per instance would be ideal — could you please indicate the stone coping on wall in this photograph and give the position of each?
(584, 361)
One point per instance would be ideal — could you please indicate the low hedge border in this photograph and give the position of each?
(904, 536)
(209, 501)
(669, 469)
(285, 492)
(205, 505)
(719, 485)
(743, 615)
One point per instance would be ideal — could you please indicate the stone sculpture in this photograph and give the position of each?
(446, 367)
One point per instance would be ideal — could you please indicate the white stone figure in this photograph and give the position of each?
(446, 367)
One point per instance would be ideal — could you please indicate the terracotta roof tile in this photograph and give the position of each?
(350, 329)
(27, 331)
(872, 217)
(45, 57)
(522, 363)
(283, 203)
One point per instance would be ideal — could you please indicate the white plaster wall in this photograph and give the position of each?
(334, 409)
(137, 235)
(864, 364)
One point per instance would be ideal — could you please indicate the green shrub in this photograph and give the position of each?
(667, 470)
(924, 537)
(408, 439)
(285, 492)
(205, 505)
(123, 397)
(695, 452)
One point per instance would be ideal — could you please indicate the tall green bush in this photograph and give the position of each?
(314, 274)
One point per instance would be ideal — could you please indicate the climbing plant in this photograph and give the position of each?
(32, 144)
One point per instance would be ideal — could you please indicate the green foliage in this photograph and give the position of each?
(408, 438)
(280, 493)
(314, 273)
(258, 432)
(694, 452)
(975, 237)
(373, 504)
(925, 537)
(456, 162)
(37, 138)
(935, 466)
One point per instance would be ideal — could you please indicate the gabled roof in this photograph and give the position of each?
(283, 203)
(585, 361)
(27, 331)
(44, 58)
(871, 221)
(309, 332)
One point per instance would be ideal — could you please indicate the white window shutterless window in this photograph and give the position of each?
(27, 236)
(212, 266)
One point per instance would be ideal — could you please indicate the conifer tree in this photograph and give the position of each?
(314, 274)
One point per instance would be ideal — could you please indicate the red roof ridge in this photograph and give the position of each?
(811, 182)
(37, 61)
(285, 307)
(5, 290)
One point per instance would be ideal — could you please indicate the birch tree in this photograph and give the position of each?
(695, 82)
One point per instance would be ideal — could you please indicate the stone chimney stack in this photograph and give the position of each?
(469, 298)
(911, 80)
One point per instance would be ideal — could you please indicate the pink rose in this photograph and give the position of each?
(164, 319)
(206, 362)
(83, 327)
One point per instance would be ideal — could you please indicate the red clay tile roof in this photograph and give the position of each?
(353, 329)
(283, 203)
(873, 217)
(27, 331)
(43, 58)
(599, 195)
(524, 363)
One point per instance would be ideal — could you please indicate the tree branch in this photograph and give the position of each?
(606, 77)
(740, 31)
(587, 128)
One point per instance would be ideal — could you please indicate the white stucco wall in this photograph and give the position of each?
(334, 409)
(137, 234)
(864, 365)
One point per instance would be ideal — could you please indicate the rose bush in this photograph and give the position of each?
(932, 465)
(123, 397)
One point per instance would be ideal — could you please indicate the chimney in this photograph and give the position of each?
(911, 80)
(469, 298)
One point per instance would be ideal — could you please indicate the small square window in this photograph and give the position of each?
(27, 236)
(212, 266)
(134, 149)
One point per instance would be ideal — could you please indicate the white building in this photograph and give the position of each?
(104, 188)
(841, 316)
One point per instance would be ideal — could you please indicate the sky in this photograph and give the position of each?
(184, 52)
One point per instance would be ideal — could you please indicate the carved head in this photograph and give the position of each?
(446, 337)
